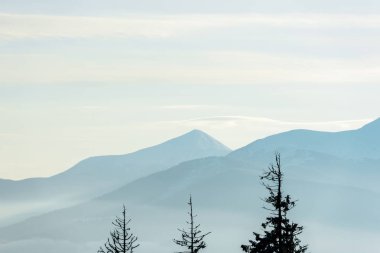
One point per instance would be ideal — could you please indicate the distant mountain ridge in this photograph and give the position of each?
(97, 175)
(333, 175)
(307, 155)
(192, 145)
(353, 144)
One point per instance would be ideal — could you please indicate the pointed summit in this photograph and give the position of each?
(95, 176)
(189, 146)
(196, 132)
(194, 144)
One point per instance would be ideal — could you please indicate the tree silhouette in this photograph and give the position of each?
(280, 234)
(121, 239)
(193, 239)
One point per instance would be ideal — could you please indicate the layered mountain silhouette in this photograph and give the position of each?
(333, 175)
(97, 175)
(361, 143)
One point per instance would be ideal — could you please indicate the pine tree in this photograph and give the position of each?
(121, 239)
(193, 239)
(280, 234)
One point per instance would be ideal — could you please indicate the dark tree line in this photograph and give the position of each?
(280, 235)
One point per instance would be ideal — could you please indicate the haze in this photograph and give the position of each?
(85, 78)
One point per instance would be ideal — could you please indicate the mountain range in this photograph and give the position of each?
(332, 175)
(97, 175)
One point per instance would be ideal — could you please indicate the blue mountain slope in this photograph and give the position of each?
(355, 144)
(224, 190)
(338, 193)
(97, 175)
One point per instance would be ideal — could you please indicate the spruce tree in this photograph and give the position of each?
(280, 234)
(193, 238)
(121, 239)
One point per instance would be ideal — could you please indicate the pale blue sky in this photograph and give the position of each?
(84, 78)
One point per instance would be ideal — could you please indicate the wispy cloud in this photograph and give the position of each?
(261, 123)
(188, 107)
(181, 63)
(218, 67)
(17, 26)
(92, 108)
(9, 135)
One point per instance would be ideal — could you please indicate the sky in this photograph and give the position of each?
(84, 78)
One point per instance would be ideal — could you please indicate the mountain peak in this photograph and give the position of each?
(196, 133)
(199, 139)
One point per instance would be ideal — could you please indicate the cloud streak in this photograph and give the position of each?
(188, 107)
(218, 67)
(18, 26)
(267, 126)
